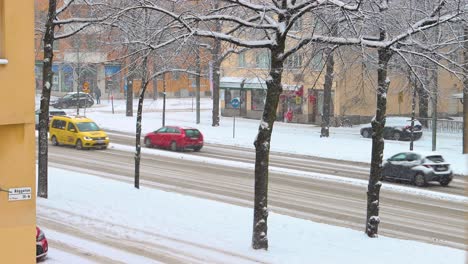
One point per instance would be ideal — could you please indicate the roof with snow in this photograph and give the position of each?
(249, 83)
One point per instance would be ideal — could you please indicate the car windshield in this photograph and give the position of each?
(435, 158)
(192, 132)
(88, 126)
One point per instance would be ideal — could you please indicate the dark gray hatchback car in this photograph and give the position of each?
(417, 168)
(396, 128)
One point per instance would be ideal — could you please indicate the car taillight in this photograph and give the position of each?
(40, 236)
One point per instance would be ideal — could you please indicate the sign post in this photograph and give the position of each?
(235, 102)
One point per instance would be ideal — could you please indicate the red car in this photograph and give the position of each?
(42, 246)
(175, 138)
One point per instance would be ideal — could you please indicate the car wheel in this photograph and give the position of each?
(79, 144)
(148, 143)
(173, 146)
(419, 180)
(54, 141)
(197, 149)
(365, 133)
(444, 182)
(105, 147)
(396, 135)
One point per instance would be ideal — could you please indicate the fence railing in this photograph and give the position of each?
(443, 125)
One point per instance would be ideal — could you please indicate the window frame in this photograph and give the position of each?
(241, 62)
(263, 59)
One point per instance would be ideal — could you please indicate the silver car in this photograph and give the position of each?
(417, 168)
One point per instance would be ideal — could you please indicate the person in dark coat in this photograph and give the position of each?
(97, 94)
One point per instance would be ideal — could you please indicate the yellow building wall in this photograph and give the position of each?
(356, 92)
(17, 142)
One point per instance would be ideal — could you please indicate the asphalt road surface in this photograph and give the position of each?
(404, 215)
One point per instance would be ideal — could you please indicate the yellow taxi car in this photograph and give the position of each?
(77, 131)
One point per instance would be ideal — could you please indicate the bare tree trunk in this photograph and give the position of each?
(164, 101)
(47, 76)
(373, 189)
(413, 115)
(216, 66)
(262, 146)
(197, 81)
(138, 124)
(433, 81)
(327, 88)
(465, 94)
(423, 98)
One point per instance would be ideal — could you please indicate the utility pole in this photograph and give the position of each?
(129, 106)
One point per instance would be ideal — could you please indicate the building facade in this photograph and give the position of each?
(17, 140)
(353, 89)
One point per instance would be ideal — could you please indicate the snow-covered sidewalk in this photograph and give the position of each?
(207, 231)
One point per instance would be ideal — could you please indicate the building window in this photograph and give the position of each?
(262, 59)
(258, 99)
(228, 96)
(317, 62)
(56, 45)
(241, 60)
(294, 61)
(175, 75)
(297, 26)
(91, 43)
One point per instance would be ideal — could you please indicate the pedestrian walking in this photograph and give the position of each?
(97, 94)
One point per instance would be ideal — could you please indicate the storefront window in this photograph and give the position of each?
(55, 78)
(67, 78)
(258, 99)
(112, 78)
(228, 96)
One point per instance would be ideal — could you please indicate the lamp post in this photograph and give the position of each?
(129, 106)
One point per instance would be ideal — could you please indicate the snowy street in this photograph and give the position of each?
(101, 218)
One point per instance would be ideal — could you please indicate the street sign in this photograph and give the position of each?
(86, 87)
(400, 97)
(235, 102)
(18, 194)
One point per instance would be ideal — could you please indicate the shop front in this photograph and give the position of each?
(296, 105)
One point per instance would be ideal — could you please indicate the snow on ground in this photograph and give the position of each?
(197, 224)
(343, 143)
(298, 173)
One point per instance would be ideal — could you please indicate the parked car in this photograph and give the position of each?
(175, 138)
(397, 128)
(52, 112)
(81, 132)
(417, 168)
(73, 99)
(42, 246)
